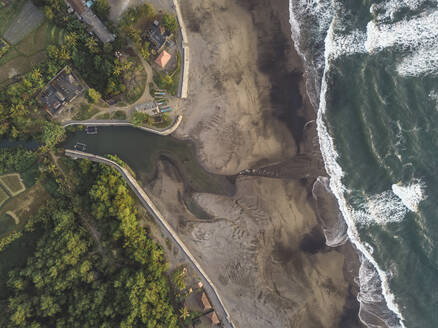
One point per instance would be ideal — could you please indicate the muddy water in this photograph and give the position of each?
(142, 151)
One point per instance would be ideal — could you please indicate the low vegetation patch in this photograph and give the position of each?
(85, 112)
(12, 183)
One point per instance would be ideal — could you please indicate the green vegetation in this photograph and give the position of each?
(94, 96)
(169, 22)
(101, 8)
(9, 13)
(141, 119)
(168, 81)
(67, 275)
(7, 224)
(118, 115)
(52, 134)
(21, 161)
(4, 47)
(86, 111)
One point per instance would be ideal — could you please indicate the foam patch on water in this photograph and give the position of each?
(382, 208)
(405, 34)
(418, 37)
(346, 44)
(389, 9)
(411, 195)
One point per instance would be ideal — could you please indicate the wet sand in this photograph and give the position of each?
(264, 246)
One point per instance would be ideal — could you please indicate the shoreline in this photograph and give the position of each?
(286, 88)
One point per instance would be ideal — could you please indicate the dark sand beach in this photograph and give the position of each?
(264, 246)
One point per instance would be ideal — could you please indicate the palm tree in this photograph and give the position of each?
(184, 313)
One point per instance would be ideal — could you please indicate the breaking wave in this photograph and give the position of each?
(410, 195)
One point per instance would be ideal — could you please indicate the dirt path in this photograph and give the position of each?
(15, 217)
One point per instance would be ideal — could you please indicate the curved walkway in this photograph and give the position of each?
(164, 132)
(209, 287)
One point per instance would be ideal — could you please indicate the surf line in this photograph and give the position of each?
(335, 173)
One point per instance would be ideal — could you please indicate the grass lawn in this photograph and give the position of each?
(118, 115)
(3, 196)
(85, 112)
(135, 82)
(12, 183)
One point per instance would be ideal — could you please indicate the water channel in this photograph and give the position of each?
(142, 151)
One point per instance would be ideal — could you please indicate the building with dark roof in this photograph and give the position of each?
(62, 89)
(157, 35)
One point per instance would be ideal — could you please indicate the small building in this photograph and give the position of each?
(157, 35)
(205, 302)
(213, 317)
(163, 58)
(62, 89)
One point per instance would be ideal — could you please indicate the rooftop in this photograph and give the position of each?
(63, 88)
(213, 317)
(163, 59)
(205, 302)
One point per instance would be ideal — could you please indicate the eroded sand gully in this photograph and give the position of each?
(263, 246)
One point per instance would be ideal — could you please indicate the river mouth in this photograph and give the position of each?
(142, 151)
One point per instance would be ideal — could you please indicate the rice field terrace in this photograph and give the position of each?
(28, 35)
(12, 183)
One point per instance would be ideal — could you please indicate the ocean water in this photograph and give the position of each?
(372, 75)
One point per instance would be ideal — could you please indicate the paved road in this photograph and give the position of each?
(209, 287)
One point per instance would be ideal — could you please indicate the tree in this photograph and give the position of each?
(169, 22)
(102, 9)
(145, 50)
(91, 44)
(52, 134)
(93, 95)
(184, 313)
(49, 13)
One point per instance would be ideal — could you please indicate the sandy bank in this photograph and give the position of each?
(263, 247)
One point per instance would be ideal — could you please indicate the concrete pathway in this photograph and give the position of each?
(164, 132)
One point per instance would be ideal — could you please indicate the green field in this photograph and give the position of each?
(12, 183)
(9, 13)
(3, 196)
(30, 51)
(7, 224)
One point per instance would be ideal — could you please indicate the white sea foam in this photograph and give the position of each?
(335, 172)
(417, 36)
(411, 195)
(328, 150)
(388, 9)
(382, 208)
